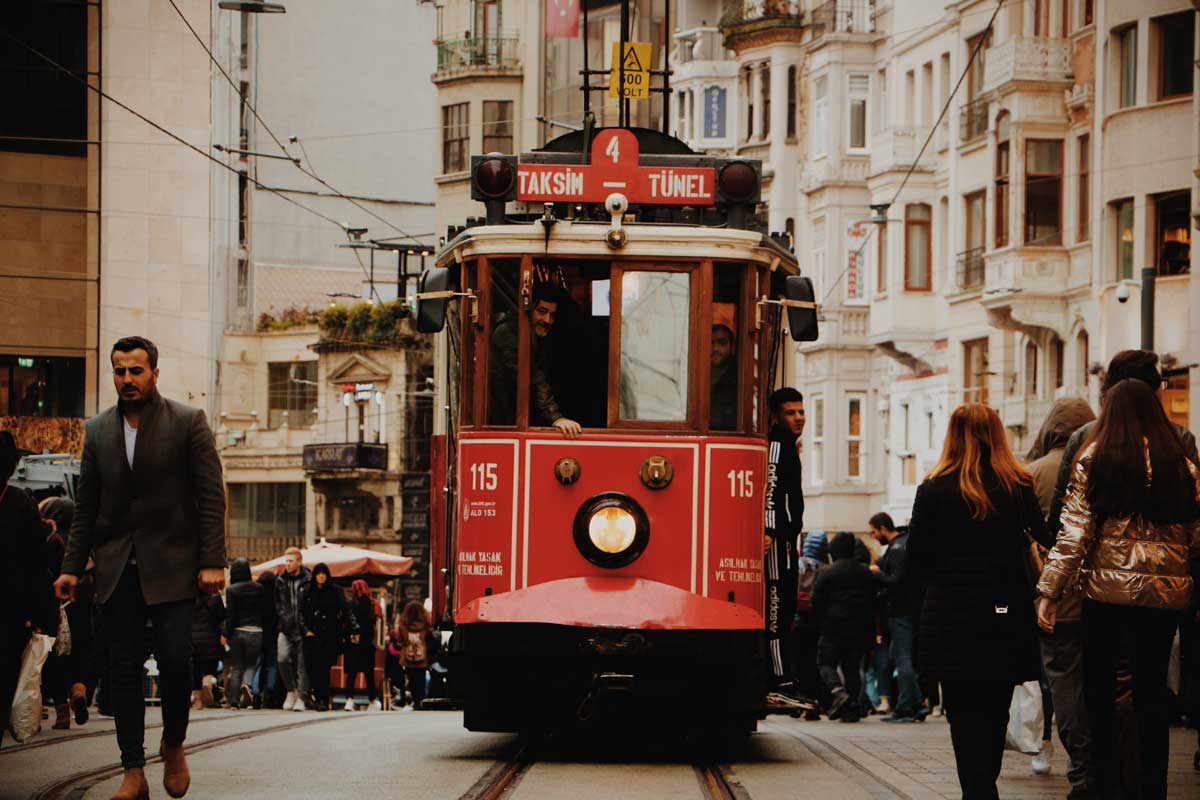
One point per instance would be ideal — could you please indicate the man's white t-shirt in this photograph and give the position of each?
(130, 440)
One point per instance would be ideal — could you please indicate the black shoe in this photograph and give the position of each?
(899, 718)
(812, 715)
(837, 704)
(850, 716)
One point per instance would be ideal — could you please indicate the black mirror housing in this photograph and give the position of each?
(802, 321)
(431, 312)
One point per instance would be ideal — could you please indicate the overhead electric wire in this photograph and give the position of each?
(982, 36)
(309, 172)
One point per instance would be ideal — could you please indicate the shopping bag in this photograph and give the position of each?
(62, 642)
(27, 700)
(1025, 720)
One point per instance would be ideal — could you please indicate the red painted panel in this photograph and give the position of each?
(618, 602)
(736, 476)
(611, 465)
(487, 473)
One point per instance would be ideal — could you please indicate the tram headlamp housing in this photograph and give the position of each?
(611, 530)
(738, 182)
(493, 177)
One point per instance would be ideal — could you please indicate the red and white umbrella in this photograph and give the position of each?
(343, 561)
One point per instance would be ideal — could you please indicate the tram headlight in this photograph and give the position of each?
(611, 530)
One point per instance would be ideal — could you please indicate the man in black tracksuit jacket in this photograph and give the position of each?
(784, 521)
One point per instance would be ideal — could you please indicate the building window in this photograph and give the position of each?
(1066, 17)
(1003, 166)
(266, 509)
(975, 70)
(975, 368)
(292, 389)
(1127, 49)
(1058, 353)
(854, 436)
(498, 126)
(455, 137)
(930, 441)
(748, 93)
(1085, 203)
(1176, 38)
(820, 109)
(818, 439)
(970, 261)
(908, 461)
(881, 118)
(764, 91)
(791, 103)
(1081, 359)
(860, 91)
(1123, 211)
(1088, 11)
(41, 386)
(917, 255)
(1043, 192)
(1172, 212)
(881, 258)
(1031, 370)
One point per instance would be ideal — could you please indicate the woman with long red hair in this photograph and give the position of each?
(360, 657)
(970, 527)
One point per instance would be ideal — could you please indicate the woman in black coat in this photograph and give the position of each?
(360, 658)
(970, 528)
(325, 619)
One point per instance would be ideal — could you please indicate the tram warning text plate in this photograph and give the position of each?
(615, 168)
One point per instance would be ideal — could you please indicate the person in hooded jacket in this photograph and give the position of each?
(56, 678)
(324, 617)
(1062, 650)
(843, 598)
(245, 604)
(360, 658)
(266, 677)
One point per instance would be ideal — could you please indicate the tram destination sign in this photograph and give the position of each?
(615, 168)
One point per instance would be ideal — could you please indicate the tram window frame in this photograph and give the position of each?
(742, 344)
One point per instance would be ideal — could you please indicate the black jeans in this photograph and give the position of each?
(978, 714)
(365, 658)
(125, 617)
(832, 654)
(319, 658)
(415, 677)
(1150, 632)
(244, 649)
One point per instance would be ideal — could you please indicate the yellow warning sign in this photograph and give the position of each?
(637, 70)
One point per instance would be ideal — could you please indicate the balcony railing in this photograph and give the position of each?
(740, 12)
(345, 456)
(844, 16)
(478, 52)
(700, 44)
(974, 121)
(261, 548)
(970, 269)
(897, 148)
(1027, 58)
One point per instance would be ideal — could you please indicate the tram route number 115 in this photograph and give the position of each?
(741, 483)
(483, 477)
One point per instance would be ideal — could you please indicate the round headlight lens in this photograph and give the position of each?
(612, 529)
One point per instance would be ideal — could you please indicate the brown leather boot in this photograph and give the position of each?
(176, 777)
(79, 703)
(62, 717)
(133, 786)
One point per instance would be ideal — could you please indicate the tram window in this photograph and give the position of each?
(724, 372)
(504, 345)
(655, 310)
(577, 347)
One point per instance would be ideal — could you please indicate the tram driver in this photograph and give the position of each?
(723, 380)
(502, 370)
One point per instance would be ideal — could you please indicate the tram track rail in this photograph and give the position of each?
(76, 737)
(73, 787)
(718, 783)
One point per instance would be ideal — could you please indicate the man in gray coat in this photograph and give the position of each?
(150, 511)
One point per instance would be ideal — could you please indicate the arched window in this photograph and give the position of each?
(1081, 359)
(917, 247)
(789, 227)
(791, 102)
(1003, 135)
(1057, 356)
(1031, 370)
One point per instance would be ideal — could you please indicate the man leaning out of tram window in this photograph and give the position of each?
(547, 300)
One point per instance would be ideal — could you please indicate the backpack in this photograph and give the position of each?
(414, 652)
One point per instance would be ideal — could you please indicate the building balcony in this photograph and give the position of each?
(843, 16)
(741, 18)
(1027, 58)
(897, 149)
(699, 44)
(260, 548)
(477, 56)
(973, 121)
(969, 270)
(348, 457)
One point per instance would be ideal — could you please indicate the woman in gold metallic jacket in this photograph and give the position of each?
(1130, 542)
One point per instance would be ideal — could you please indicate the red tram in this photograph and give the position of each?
(620, 572)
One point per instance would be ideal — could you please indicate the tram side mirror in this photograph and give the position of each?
(433, 292)
(802, 319)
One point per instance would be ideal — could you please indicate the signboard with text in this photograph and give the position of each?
(714, 112)
(636, 61)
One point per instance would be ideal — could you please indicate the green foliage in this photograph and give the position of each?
(288, 318)
(364, 323)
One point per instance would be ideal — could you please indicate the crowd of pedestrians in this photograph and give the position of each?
(1075, 568)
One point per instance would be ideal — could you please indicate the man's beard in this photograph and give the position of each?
(134, 405)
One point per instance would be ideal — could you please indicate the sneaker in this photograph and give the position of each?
(939, 711)
(349, 704)
(898, 718)
(298, 705)
(840, 698)
(245, 697)
(885, 706)
(289, 702)
(1041, 762)
(375, 706)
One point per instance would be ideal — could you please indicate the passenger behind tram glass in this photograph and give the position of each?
(502, 370)
(723, 400)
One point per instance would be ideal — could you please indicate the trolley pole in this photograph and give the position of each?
(1149, 274)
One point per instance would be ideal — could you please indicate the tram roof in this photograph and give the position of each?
(646, 241)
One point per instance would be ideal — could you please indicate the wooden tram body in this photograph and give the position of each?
(551, 624)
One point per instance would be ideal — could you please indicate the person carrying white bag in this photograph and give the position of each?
(27, 604)
(25, 717)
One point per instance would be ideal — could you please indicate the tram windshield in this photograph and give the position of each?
(606, 345)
